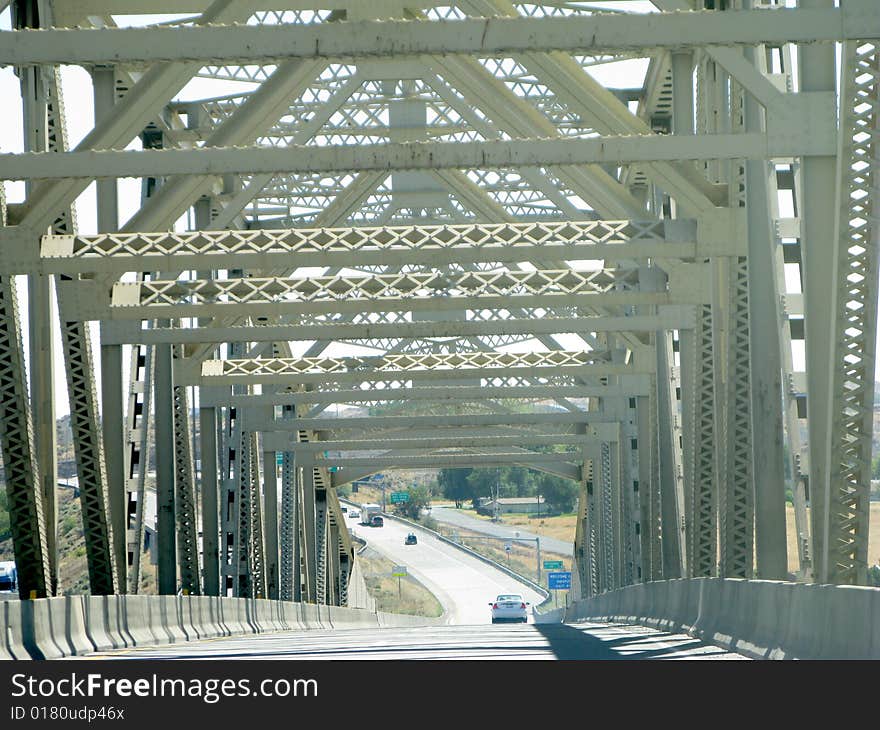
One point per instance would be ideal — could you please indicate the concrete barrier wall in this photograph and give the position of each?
(757, 618)
(52, 628)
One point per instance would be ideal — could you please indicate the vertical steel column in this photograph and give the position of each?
(819, 248)
(81, 390)
(333, 564)
(321, 552)
(736, 495)
(582, 557)
(610, 519)
(210, 506)
(738, 516)
(690, 343)
(137, 456)
(165, 507)
(230, 447)
(309, 543)
(112, 426)
(704, 501)
(208, 430)
(691, 437)
(184, 496)
(257, 560)
(765, 373)
(242, 481)
(671, 496)
(630, 506)
(112, 416)
(270, 522)
(650, 567)
(35, 107)
(26, 516)
(344, 573)
(289, 573)
(854, 337)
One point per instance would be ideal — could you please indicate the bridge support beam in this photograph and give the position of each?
(819, 249)
(289, 571)
(210, 524)
(184, 496)
(270, 522)
(309, 543)
(854, 320)
(166, 524)
(765, 371)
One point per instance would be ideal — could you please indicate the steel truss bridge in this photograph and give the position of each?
(457, 216)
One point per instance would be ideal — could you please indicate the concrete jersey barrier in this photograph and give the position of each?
(757, 618)
(54, 628)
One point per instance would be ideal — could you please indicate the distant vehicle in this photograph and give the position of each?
(368, 511)
(354, 513)
(377, 521)
(8, 576)
(411, 539)
(343, 508)
(509, 607)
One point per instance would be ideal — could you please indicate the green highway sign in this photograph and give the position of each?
(552, 565)
(399, 497)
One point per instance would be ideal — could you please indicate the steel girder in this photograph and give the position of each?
(26, 515)
(435, 420)
(673, 317)
(486, 37)
(106, 575)
(846, 493)
(136, 457)
(703, 504)
(529, 152)
(185, 497)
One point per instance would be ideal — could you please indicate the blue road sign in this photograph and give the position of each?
(559, 581)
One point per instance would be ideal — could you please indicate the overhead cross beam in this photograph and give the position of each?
(601, 33)
(674, 317)
(787, 137)
(714, 233)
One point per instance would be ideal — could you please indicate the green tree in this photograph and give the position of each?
(560, 494)
(5, 529)
(419, 499)
(453, 484)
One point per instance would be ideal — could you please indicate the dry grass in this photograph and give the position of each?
(873, 536)
(560, 527)
(408, 596)
(521, 559)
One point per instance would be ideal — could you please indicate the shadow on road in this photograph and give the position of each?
(571, 642)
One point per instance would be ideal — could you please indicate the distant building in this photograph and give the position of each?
(506, 505)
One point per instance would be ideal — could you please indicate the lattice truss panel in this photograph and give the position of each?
(855, 318)
(477, 361)
(385, 291)
(148, 251)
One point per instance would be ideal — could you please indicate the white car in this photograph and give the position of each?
(509, 607)
(353, 513)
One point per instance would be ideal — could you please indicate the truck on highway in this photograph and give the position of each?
(368, 511)
(8, 576)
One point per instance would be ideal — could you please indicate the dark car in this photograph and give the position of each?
(377, 521)
(411, 539)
